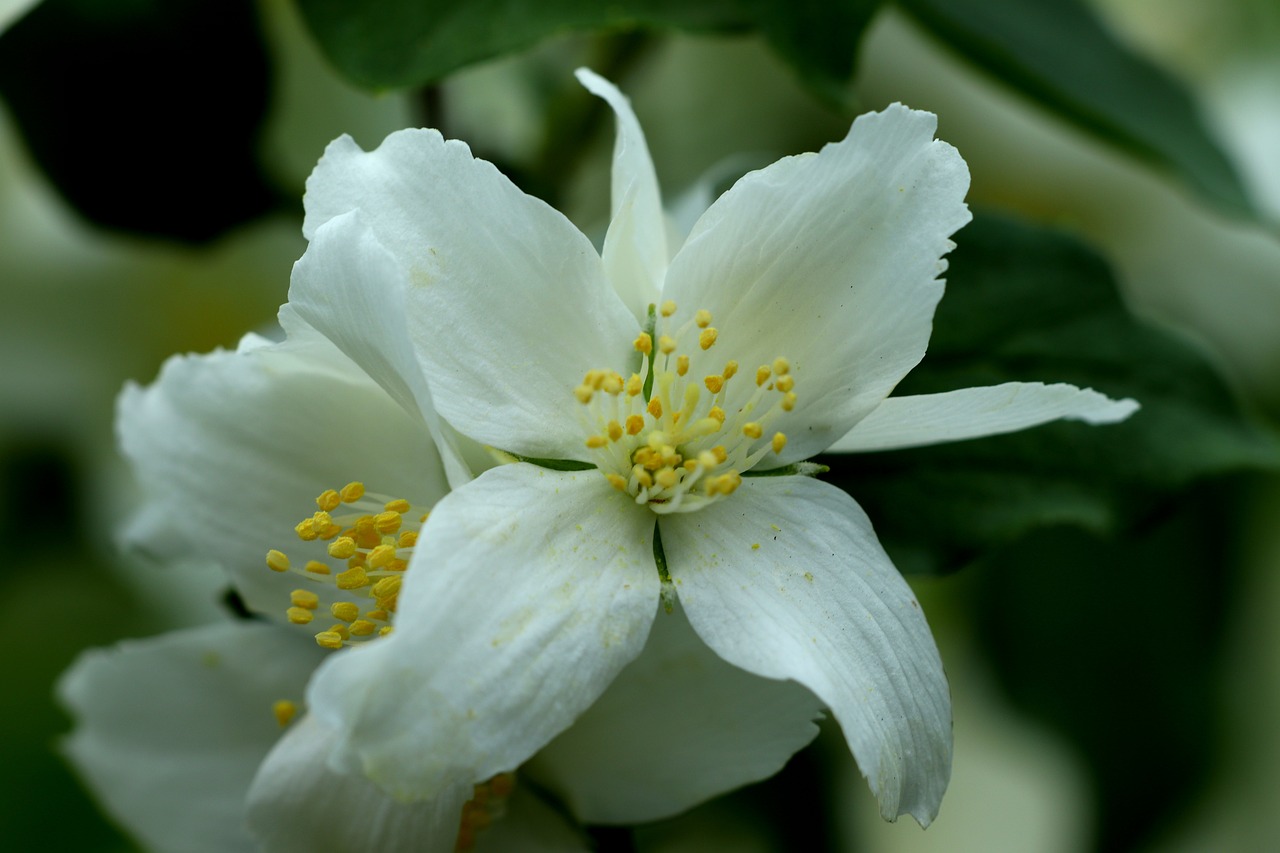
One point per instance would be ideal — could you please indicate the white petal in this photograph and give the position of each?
(297, 804)
(234, 447)
(787, 580)
(349, 288)
(831, 261)
(635, 247)
(528, 590)
(171, 730)
(974, 412)
(676, 727)
(507, 303)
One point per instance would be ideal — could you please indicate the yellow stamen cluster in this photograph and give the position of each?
(373, 536)
(689, 441)
(487, 804)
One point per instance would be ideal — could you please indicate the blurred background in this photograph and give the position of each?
(1115, 683)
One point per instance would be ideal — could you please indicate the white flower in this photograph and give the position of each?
(177, 734)
(797, 302)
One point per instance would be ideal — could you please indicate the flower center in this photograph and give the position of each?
(373, 535)
(664, 436)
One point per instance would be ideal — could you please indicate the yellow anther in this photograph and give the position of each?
(306, 530)
(617, 481)
(717, 413)
(317, 568)
(381, 557)
(725, 484)
(277, 561)
(385, 630)
(387, 522)
(657, 440)
(329, 640)
(408, 538)
(682, 365)
(345, 610)
(762, 374)
(642, 476)
(322, 524)
(690, 465)
(702, 318)
(707, 459)
(299, 615)
(781, 367)
(730, 368)
(284, 711)
(707, 337)
(341, 631)
(642, 456)
(367, 535)
(643, 343)
(400, 505)
(612, 384)
(714, 383)
(342, 547)
(635, 423)
(752, 430)
(361, 628)
(352, 579)
(359, 558)
(655, 407)
(614, 429)
(397, 565)
(377, 615)
(386, 587)
(779, 442)
(785, 383)
(666, 344)
(635, 384)
(329, 500)
(668, 308)
(304, 598)
(352, 492)
(789, 401)
(720, 453)
(584, 393)
(596, 441)
(666, 478)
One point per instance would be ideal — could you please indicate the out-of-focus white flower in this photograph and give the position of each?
(640, 390)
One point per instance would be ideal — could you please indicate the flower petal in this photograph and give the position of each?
(528, 590)
(787, 580)
(234, 447)
(297, 804)
(170, 730)
(733, 728)
(973, 412)
(350, 289)
(831, 261)
(635, 247)
(507, 304)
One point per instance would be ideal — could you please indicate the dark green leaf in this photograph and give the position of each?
(1118, 646)
(1025, 304)
(144, 114)
(1059, 54)
(397, 43)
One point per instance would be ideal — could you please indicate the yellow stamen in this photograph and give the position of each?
(352, 492)
(702, 318)
(779, 442)
(682, 365)
(714, 383)
(342, 547)
(668, 308)
(299, 615)
(347, 611)
(635, 423)
(304, 598)
(752, 430)
(277, 561)
(329, 640)
(596, 441)
(284, 711)
(643, 343)
(781, 367)
(785, 383)
(655, 407)
(707, 338)
(316, 567)
(399, 505)
(352, 579)
(730, 368)
(617, 481)
(361, 628)
(329, 500)
(666, 344)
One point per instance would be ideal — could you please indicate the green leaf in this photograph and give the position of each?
(1025, 304)
(1060, 55)
(397, 43)
(1118, 646)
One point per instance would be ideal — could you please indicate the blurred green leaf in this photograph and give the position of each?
(1027, 304)
(384, 44)
(1060, 55)
(145, 115)
(1118, 646)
